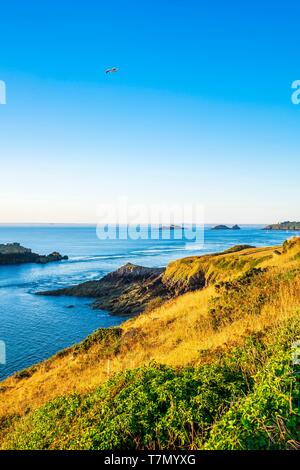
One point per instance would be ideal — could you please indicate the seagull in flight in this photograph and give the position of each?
(112, 70)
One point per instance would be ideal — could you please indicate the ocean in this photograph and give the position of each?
(35, 327)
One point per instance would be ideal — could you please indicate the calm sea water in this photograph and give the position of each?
(35, 327)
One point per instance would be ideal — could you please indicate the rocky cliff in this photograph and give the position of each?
(126, 291)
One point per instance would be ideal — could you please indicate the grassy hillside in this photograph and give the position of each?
(209, 369)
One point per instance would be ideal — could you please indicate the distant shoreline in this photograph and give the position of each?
(62, 224)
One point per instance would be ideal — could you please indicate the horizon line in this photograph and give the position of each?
(94, 224)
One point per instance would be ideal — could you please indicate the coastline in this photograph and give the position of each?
(50, 324)
(201, 335)
(150, 288)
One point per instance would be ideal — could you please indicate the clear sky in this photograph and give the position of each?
(199, 112)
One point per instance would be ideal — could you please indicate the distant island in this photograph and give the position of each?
(14, 253)
(171, 227)
(225, 227)
(284, 226)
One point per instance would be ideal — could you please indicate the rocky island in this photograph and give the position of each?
(225, 227)
(284, 226)
(171, 227)
(14, 253)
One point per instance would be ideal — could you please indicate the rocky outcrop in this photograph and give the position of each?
(284, 226)
(128, 290)
(225, 227)
(13, 248)
(132, 289)
(14, 253)
(221, 227)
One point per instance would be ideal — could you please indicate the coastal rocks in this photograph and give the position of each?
(14, 253)
(132, 289)
(13, 248)
(178, 283)
(55, 256)
(125, 291)
(225, 227)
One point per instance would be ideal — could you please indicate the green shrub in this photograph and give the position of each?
(151, 407)
(266, 418)
(269, 416)
(248, 399)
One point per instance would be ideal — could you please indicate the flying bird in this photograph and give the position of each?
(112, 70)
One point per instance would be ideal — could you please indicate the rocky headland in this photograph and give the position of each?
(128, 290)
(284, 226)
(14, 253)
(132, 289)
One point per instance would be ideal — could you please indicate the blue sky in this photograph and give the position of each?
(199, 112)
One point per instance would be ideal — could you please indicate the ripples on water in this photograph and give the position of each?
(36, 327)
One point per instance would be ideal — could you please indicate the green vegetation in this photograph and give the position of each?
(108, 338)
(269, 416)
(152, 407)
(245, 400)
